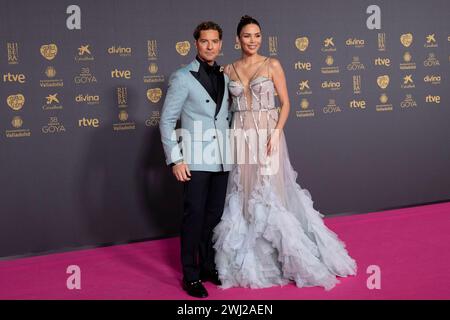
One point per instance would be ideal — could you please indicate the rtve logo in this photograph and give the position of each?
(90, 122)
(432, 99)
(11, 77)
(121, 74)
(302, 66)
(386, 62)
(358, 104)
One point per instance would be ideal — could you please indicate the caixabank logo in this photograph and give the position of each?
(52, 102)
(84, 53)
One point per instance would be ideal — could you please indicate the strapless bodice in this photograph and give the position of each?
(262, 91)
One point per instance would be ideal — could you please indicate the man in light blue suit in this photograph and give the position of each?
(199, 153)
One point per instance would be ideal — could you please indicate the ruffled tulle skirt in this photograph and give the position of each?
(270, 234)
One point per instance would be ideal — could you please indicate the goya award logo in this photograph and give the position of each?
(153, 119)
(154, 94)
(331, 107)
(183, 47)
(16, 101)
(84, 77)
(355, 65)
(408, 102)
(431, 60)
(302, 43)
(53, 126)
(49, 51)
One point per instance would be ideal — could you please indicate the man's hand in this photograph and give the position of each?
(181, 172)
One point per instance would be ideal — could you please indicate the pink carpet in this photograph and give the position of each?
(411, 247)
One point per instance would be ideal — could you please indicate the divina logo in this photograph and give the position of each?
(353, 42)
(332, 85)
(433, 79)
(89, 122)
(121, 51)
(87, 98)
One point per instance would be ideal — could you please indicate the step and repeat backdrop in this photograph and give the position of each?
(83, 82)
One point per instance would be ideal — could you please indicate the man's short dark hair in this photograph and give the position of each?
(207, 25)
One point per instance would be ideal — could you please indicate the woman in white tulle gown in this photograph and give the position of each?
(269, 233)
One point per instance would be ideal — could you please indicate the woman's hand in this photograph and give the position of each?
(273, 142)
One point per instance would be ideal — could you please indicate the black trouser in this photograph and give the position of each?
(204, 199)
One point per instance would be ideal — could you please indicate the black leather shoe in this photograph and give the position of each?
(211, 276)
(195, 289)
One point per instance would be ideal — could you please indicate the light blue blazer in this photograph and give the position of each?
(205, 137)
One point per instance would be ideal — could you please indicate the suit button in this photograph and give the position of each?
(227, 118)
(214, 137)
(215, 119)
(207, 100)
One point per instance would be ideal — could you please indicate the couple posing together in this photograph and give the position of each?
(245, 223)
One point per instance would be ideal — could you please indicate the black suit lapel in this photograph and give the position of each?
(220, 91)
(203, 78)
